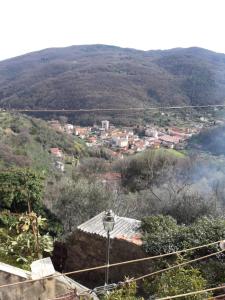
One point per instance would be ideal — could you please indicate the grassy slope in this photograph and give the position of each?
(26, 141)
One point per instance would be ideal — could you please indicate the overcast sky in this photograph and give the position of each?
(29, 25)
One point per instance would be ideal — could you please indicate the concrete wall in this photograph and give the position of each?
(40, 290)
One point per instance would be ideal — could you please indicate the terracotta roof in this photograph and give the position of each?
(56, 151)
(125, 228)
(180, 130)
(111, 176)
(170, 139)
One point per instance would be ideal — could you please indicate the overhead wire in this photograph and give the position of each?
(169, 268)
(216, 297)
(125, 262)
(175, 266)
(193, 293)
(117, 108)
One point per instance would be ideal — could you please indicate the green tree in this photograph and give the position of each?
(22, 238)
(20, 189)
(162, 234)
(159, 233)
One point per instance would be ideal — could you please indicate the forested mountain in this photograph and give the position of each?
(98, 76)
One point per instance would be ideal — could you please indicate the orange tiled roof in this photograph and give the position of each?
(111, 176)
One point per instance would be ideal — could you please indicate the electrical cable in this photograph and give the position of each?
(125, 262)
(175, 266)
(193, 293)
(217, 297)
(170, 268)
(117, 109)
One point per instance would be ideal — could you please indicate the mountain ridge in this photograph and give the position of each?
(97, 76)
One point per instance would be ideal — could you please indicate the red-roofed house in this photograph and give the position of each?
(111, 180)
(56, 152)
(170, 139)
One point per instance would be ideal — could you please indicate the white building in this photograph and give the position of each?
(69, 128)
(60, 166)
(105, 125)
(120, 142)
(151, 132)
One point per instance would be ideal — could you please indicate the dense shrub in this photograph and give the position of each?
(162, 234)
(143, 170)
(126, 292)
(178, 281)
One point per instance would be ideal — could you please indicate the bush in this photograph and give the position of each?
(162, 234)
(22, 240)
(188, 206)
(178, 281)
(127, 292)
(145, 169)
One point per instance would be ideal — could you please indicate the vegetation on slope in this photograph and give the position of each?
(182, 196)
(211, 140)
(26, 142)
(23, 231)
(99, 76)
(170, 188)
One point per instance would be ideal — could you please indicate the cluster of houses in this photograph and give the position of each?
(127, 140)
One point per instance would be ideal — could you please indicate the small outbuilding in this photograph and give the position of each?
(86, 247)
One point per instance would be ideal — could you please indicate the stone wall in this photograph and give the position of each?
(89, 250)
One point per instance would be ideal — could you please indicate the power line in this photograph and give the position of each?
(193, 293)
(162, 255)
(117, 109)
(175, 266)
(169, 268)
(216, 297)
(161, 271)
(121, 263)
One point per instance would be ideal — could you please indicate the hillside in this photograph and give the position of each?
(26, 141)
(210, 140)
(98, 76)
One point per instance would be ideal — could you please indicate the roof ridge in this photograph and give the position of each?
(124, 226)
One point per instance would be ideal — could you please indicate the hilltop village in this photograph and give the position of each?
(127, 140)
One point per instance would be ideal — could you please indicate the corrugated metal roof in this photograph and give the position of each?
(125, 228)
